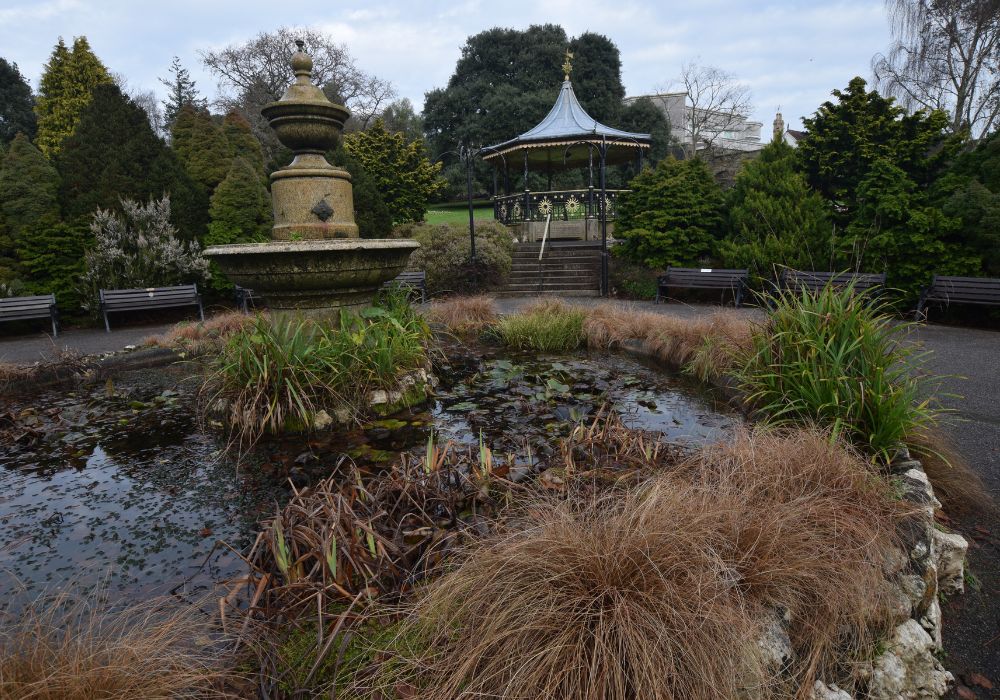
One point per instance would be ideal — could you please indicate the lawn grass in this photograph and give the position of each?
(449, 214)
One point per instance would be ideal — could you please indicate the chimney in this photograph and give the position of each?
(779, 126)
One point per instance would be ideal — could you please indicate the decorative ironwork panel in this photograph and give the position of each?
(565, 205)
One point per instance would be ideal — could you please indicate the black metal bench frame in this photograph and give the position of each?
(703, 278)
(31, 307)
(246, 298)
(965, 290)
(149, 298)
(814, 281)
(416, 281)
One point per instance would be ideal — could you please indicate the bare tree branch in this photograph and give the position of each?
(256, 72)
(946, 55)
(719, 103)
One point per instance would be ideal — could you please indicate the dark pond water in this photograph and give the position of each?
(119, 482)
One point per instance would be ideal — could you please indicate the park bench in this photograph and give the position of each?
(150, 298)
(813, 281)
(246, 299)
(415, 281)
(26, 308)
(965, 290)
(702, 278)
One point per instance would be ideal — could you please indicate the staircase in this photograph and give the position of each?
(566, 268)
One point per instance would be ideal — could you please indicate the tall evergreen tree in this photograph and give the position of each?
(182, 90)
(200, 146)
(49, 253)
(241, 142)
(401, 170)
(17, 104)
(672, 216)
(774, 218)
(114, 154)
(66, 86)
(898, 231)
(240, 208)
(846, 137)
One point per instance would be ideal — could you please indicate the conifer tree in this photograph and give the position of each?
(114, 154)
(241, 142)
(898, 231)
(200, 146)
(66, 86)
(182, 91)
(774, 218)
(672, 216)
(17, 104)
(403, 174)
(240, 210)
(49, 253)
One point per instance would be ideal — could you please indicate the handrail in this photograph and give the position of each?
(545, 234)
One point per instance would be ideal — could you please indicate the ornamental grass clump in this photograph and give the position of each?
(837, 359)
(548, 326)
(65, 647)
(462, 315)
(665, 590)
(275, 375)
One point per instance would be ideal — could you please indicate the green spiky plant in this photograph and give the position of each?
(838, 359)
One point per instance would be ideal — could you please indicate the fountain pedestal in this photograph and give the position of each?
(315, 263)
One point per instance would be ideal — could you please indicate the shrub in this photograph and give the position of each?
(671, 216)
(668, 588)
(276, 375)
(544, 327)
(837, 359)
(629, 279)
(65, 648)
(138, 248)
(444, 255)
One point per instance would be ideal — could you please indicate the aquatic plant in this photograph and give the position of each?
(276, 375)
(669, 586)
(838, 359)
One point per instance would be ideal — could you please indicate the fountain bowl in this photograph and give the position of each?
(315, 277)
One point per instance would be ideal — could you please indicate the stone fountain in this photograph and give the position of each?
(315, 262)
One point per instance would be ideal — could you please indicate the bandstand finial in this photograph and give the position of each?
(567, 65)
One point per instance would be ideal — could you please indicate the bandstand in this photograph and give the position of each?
(566, 139)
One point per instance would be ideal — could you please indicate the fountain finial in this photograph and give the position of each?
(301, 62)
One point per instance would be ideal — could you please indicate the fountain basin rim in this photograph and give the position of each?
(311, 246)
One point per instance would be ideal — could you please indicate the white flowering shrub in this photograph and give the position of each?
(138, 248)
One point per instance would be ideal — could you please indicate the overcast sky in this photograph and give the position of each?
(790, 53)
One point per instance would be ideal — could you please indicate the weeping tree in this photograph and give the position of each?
(946, 55)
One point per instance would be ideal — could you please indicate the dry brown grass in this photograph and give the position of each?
(663, 591)
(63, 648)
(705, 346)
(463, 314)
(959, 488)
(10, 373)
(201, 336)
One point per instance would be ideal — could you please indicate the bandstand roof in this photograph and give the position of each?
(563, 138)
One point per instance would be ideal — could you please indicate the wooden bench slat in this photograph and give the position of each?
(703, 278)
(984, 291)
(149, 298)
(31, 307)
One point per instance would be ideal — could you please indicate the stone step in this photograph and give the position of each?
(555, 258)
(557, 276)
(588, 269)
(527, 288)
(551, 292)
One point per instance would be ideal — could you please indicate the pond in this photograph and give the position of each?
(120, 483)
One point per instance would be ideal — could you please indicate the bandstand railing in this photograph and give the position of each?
(564, 205)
